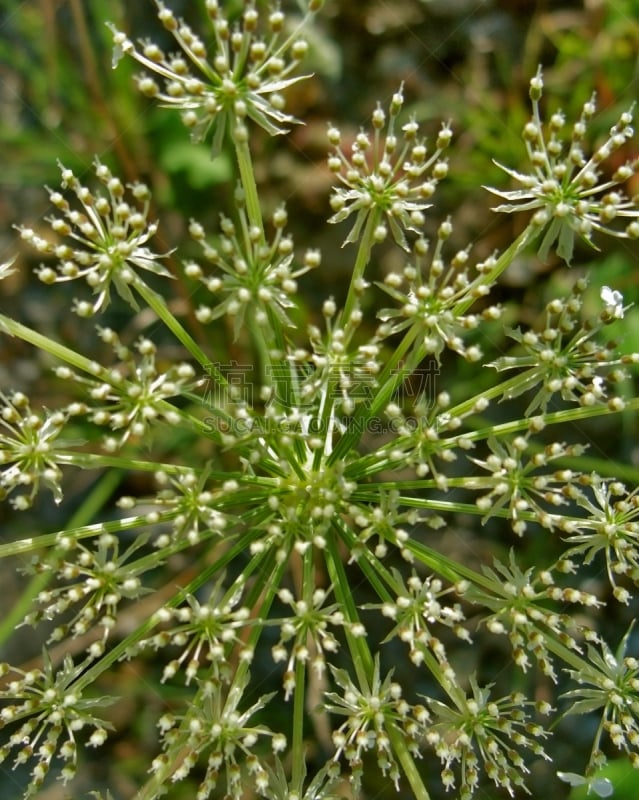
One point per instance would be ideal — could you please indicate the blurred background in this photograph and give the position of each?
(467, 61)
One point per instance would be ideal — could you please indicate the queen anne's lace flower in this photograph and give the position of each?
(389, 179)
(128, 399)
(569, 193)
(50, 706)
(609, 684)
(567, 357)
(104, 243)
(252, 276)
(476, 728)
(243, 76)
(29, 450)
(429, 293)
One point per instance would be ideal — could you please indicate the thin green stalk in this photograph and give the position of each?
(247, 178)
(554, 418)
(389, 380)
(407, 761)
(357, 645)
(47, 345)
(158, 304)
(366, 244)
(32, 543)
(299, 696)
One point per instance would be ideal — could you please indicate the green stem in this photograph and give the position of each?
(297, 752)
(390, 379)
(407, 761)
(158, 304)
(363, 255)
(33, 543)
(46, 344)
(489, 394)
(357, 645)
(553, 418)
(247, 179)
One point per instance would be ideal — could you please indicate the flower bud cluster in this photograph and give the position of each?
(30, 450)
(305, 635)
(516, 482)
(370, 711)
(240, 77)
(188, 502)
(252, 275)
(226, 738)
(388, 178)
(46, 710)
(429, 294)
(567, 357)
(610, 686)
(204, 633)
(417, 611)
(519, 606)
(611, 528)
(570, 194)
(103, 242)
(96, 579)
(131, 397)
(475, 727)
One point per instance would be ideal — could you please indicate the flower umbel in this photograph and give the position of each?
(105, 240)
(52, 706)
(28, 445)
(390, 178)
(610, 683)
(476, 728)
(284, 499)
(567, 357)
(569, 193)
(130, 398)
(243, 76)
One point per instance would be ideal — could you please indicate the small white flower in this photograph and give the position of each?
(613, 301)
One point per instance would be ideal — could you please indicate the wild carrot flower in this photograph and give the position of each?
(567, 357)
(429, 293)
(96, 578)
(29, 450)
(52, 707)
(475, 728)
(611, 528)
(204, 632)
(571, 195)
(609, 685)
(228, 737)
(104, 243)
(520, 484)
(518, 602)
(241, 77)
(252, 275)
(291, 507)
(128, 399)
(372, 711)
(308, 632)
(387, 179)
